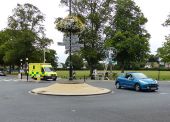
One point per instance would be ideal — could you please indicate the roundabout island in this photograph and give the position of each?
(73, 88)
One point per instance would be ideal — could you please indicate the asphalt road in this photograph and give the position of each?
(17, 105)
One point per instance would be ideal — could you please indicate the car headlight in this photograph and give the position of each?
(156, 81)
(142, 81)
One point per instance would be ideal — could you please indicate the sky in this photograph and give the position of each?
(156, 11)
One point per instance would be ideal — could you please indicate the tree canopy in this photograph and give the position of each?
(27, 17)
(164, 51)
(24, 37)
(127, 34)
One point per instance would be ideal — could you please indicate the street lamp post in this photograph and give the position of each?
(70, 70)
(27, 67)
(21, 67)
(44, 51)
(158, 69)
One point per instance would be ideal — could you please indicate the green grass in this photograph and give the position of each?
(79, 73)
(164, 75)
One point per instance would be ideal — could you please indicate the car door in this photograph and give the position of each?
(126, 80)
(122, 80)
(130, 82)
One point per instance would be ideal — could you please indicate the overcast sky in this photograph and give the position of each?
(155, 11)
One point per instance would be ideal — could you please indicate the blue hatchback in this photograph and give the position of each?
(137, 81)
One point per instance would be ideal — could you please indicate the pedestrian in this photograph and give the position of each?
(106, 77)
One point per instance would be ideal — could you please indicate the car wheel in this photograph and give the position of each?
(137, 87)
(118, 85)
(54, 79)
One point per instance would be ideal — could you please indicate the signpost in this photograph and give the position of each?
(71, 25)
(75, 46)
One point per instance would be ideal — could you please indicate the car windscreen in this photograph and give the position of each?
(121, 75)
(139, 75)
(48, 69)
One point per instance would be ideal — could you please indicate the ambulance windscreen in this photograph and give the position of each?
(48, 69)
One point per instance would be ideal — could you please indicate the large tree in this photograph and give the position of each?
(94, 13)
(27, 17)
(3, 38)
(16, 45)
(127, 34)
(164, 51)
(24, 36)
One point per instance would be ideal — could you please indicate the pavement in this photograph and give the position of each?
(70, 88)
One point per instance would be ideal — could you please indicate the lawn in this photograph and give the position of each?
(164, 75)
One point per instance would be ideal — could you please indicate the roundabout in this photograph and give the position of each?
(75, 88)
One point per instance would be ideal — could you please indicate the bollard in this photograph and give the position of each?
(38, 78)
(84, 79)
(21, 75)
(27, 76)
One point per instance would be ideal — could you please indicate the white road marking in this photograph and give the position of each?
(9, 80)
(73, 110)
(163, 93)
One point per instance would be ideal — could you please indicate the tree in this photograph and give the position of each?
(153, 58)
(127, 34)
(94, 13)
(77, 62)
(27, 17)
(51, 57)
(2, 41)
(164, 51)
(26, 35)
(16, 45)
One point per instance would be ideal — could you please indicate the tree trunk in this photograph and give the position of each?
(10, 68)
(91, 71)
(122, 67)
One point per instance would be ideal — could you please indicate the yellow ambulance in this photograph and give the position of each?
(43, 71)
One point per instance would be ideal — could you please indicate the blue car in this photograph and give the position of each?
(137, 81)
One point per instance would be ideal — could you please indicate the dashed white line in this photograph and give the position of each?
(9, 80)
(163, 93)
(73, 110)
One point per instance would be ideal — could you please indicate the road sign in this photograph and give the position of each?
(67, 43)
(61, 44)
(74, 46)
(74, 39)
(72, 51)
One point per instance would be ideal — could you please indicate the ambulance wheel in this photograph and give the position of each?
(45, 78)
(55, 78)
(34, 78)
